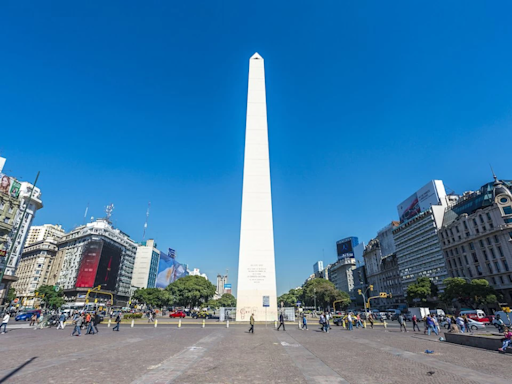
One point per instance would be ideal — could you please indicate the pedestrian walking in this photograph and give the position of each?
(304, 322)
(415, 324)
(33, 319)
(466, 324)
(321, 321)
(460, 323)
(436, 325)
(401, 321)
(281, 322)
(90, 326)
(96, 321)
(78, 324)
(118, 322)
(5, 320)
(326, 324)
(350, 326)
(358, 321)
(251, 322)
(430, 325)
(370, 320)
(506, 340)
(62, 320)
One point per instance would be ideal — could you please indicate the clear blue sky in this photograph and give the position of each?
(130, 102)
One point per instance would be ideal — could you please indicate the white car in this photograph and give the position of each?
(473, 325)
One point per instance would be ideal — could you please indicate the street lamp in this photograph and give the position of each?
(314, 297)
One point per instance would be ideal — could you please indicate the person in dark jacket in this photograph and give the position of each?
(281, 322)
(118, 321)
(251, 322)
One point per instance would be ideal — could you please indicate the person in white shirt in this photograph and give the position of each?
(349, 321)
(5, 321)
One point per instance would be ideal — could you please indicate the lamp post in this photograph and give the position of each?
(370, 287)
(314, 297)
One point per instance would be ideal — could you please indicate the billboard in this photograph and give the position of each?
(430, 194)
(9, 186)
(108, 267)
(345, 247)
(169, 270)
(89, 264)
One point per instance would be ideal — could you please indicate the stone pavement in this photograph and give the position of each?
(142, 355)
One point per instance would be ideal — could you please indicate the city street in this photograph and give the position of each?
(217, 354)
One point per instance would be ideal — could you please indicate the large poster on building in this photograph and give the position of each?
(89, 264)
(108, 267)
(421, 200)
(169, 270)
(9, 186)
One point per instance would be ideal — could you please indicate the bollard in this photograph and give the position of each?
(343, 323)
(275, 324)
(299, 325)
(179, 323)
(203, 322)
(227, 324)
(133, 322)
(364, 324)
(156, 323)
(385, 325)
(109, 320)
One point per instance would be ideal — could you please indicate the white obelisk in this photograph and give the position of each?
(256, 264)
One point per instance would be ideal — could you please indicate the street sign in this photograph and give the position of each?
(298, 303)
(56, 288)
(266, 301)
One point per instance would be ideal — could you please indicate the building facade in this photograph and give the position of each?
(39, 233)
(318, 266)
(341, 274)
(96, 254)
(476, 237)
(145, 267)
(34, 269)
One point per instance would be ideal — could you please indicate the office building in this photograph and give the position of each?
(39, 233)
(145, 268)
(476, 236)
(341, 274)
(318, 266)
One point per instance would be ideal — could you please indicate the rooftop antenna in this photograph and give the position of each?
(493, 174)
(146, 223)
(109, 210)
(85, 214)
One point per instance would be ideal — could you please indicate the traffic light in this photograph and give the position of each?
(371, 287)
(383, 294)
(359, 291)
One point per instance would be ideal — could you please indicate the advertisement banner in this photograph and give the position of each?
(420, 201)
(9, 186)
(169, 270)
(108, 267)
(89, 264)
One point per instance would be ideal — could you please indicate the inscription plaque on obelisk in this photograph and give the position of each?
(256, 264)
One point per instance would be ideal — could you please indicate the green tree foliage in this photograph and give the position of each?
(290, 299)
(11, 295)
(472, 294)
(227, 300)
(325, 292)
(423, 289)
(153, 297)
(51, 298)
(191, 291)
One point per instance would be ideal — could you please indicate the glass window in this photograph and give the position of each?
(479, 270)
(470, 273)
(494, 280)
(503, 200)
(493, 253)
(488, 216)
(463, 249)
(475, 223)
(465, 225)
(489, 267)
(475, 259)
(457, 251)
(481, 243)
(472, 246)
(451, 252)
(501, 279)
(507, 210)
(500, 251)
(508, 220)
(450, 263)
(460, 262)
(466, 259)
(491, 225)
(510, 278)
(497, 265)
(457, 229)
(485, 255)
(505, 264)
(489, 241)
(496, 240)
(481, 218)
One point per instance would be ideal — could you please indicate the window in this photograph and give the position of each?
(467, 234)
(457, 229)
(451, 232)
(456, 251)
(488, 216)
(475, 223)
(491, 225)
(460, 262)
(470, 273)
(479, 270)
(477, 230)
(481, 242)
(507, 210)
(493, 253)
(472, 246)
(465, 225)
(481, 218)
(501, 279)
(466, 259)
(508, 220)
(494, 280)
(489, 267)
(489, 241)
(496, 240)
(483, 228)
(497, 265)
(500, 251)
(505, 264)
(462, 248)
(451, 252)
(485, 255)
(450, 263)
(510, 278)
(475, 259)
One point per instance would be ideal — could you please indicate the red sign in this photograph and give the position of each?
(89, 265)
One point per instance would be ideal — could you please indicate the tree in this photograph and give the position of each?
(290, 299)
(190, 291)
(50, 297)
(472, 294)
(422, 290)
(227, 300)
(11, 295)
(325, 292)
(152, 297)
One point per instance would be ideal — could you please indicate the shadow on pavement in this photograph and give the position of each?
(13, 372)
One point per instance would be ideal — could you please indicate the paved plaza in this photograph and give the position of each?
(216, 354)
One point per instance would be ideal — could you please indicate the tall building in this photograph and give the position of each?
(17, 211)
(145, 268)
(318, 266)
(96, 254)
(418, 248)
(341, 274)
(222, 286)
(345, 247)
(39, 233)
(34, 269)
(256, 265)
(476, 236)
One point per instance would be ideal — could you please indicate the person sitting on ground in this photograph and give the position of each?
(506, 340)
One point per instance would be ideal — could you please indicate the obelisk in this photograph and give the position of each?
(256, 264)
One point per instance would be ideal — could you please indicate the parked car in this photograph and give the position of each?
(179, 314)
(201, 315)
(477, 315)
(473, 325)
(26, 316)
